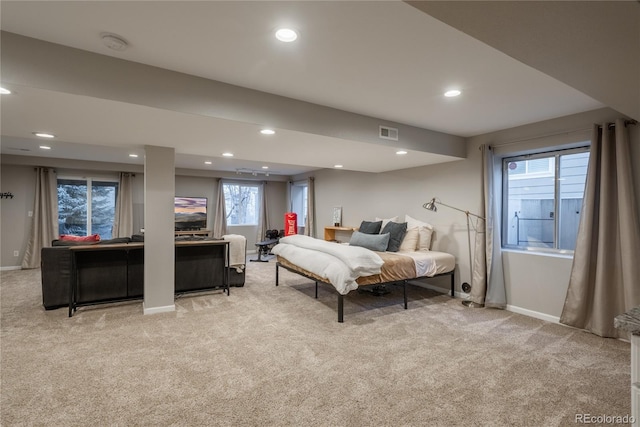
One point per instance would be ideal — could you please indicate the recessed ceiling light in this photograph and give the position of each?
(44, 135)
(451, 93)
(401, 152)
(4, 91)
(207, 162)
(286, 35)
(337, 166)
(265, 167)
(267, 131)
(45, 147)
(133, 155)
(227, 154)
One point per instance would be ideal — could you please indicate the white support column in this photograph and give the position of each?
(159, 225)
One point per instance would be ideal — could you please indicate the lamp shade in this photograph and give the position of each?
(431, 205)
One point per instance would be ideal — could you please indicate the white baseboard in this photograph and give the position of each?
(156, 310)
(512, 308)
(534, 314)
(11, 267)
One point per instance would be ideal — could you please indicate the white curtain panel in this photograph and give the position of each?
(606, 267)
(310, 225)
(220, 217)
(44, 225)
(123, 222)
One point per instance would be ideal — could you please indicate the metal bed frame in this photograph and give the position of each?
(341, 297)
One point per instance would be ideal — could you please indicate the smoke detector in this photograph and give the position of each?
(114, 41)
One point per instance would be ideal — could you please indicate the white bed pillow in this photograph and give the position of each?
(410, 241)
(425, 231)
(386, 220)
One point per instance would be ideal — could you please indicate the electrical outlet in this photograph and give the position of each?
(16, 253)
(30, 214)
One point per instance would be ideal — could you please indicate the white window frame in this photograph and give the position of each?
(258, 201)
(548, 152)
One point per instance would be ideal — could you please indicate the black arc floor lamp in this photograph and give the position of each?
(466, 287)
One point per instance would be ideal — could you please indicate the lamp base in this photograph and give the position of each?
(472, 304)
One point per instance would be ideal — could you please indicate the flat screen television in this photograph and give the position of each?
(190, 213)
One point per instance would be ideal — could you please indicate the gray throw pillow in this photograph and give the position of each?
(370, 227)
(396, 231)
(374, 242)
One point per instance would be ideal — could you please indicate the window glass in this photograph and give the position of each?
(299, 196)
(103, 207)
(72, 207)
(242, 203)
(543, 198)
(86, 207)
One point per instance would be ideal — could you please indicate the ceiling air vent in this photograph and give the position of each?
(388, 133)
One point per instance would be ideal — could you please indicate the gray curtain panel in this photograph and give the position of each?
(123, 221)
(44, 225)
(310, 225)
(606, 262)
(487, 285)
(220, 218)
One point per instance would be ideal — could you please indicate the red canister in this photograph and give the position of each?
(290, 223)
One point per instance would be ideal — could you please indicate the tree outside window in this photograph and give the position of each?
(86, 206)
(242, 203)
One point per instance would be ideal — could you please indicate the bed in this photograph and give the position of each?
(347, 268)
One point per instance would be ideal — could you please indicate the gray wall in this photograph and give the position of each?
(536, 284)
(14, 221)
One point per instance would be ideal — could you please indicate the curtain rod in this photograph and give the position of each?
(626, 123)
(548, 135)
(518, 141)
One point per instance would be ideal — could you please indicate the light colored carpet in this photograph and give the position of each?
(271, 355)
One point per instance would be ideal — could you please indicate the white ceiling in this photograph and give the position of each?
(382, 59)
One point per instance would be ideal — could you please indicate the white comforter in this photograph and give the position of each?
(341, 264)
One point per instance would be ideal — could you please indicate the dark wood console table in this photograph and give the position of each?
(111, 273)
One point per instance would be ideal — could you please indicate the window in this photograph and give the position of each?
(242, 203)
(86, 206)
(542, 198)
(299, 192)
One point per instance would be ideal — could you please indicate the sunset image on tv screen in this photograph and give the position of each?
(191, 210)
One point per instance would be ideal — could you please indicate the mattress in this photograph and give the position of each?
(397, 266)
